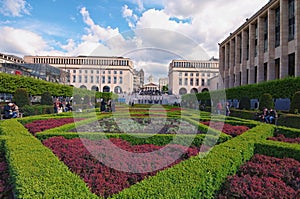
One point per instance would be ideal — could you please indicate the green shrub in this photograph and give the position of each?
(295, 104)
(21, 97)
(36, 110)
(46, 99)
(266, 101)
(245, 103)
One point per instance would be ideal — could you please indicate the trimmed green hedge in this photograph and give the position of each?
(281, 88)
(35, 170)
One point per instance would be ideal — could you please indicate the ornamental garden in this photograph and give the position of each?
(147, 152)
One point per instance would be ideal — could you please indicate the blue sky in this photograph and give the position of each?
(151, 32)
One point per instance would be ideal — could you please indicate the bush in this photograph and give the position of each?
(245, 103)
(266, 101)
(46, 99)
(21, 97)
(37, 110)
(295, 104)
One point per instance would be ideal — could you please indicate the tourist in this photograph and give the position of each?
(15, 110)
(227, 109)
(7, 111)
(272, 116)
(219, 108)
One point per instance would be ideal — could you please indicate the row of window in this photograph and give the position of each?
(193, 82)
(77, 61)
(194, 65)
(266, 21)
(97, 71)
(197, 74)
(276, 69)
(91, 79)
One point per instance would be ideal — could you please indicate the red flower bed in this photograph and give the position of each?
(264, 177)
(41, 125)
(282, 138)
(5, 187)
(104, 180)
(227, 128)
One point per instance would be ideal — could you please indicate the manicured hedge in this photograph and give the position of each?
(35, 170)
(200, 177)
(281, 88)
(35, 87)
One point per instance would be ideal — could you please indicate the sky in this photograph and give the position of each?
(150, 32)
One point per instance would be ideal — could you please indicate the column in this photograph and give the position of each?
(260, 54)
(245, 34)
(251, 56)
(297, 37)
(271, 45)
(284, 38)
(232, 82)
(237, 58)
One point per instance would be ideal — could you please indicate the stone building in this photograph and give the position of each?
(191, 76)
(265, 47)
(138, 79)
(104, 74)
(163, 82)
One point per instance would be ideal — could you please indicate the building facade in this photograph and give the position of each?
(163, 82)
(104, 74)
(138, 79)
(191, 76)
(265, 47)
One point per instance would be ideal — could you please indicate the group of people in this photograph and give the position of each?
(11, 110)
(108, 106)
(60, 107)
(268, 116)
(219, 108)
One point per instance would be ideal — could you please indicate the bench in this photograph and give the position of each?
(20, 115)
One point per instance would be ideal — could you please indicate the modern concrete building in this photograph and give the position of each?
(191, 76)
(105, 74)
(265, 47)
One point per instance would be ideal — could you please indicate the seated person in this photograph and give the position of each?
(264, 117)
(272, 116)
(7, 111)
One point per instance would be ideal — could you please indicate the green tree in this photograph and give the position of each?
(245, 103)
(266, 101)
(295, 104)
(21, 97)
(165, 89)
(46, 98)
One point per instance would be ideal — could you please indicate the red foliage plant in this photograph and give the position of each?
(5, 187)
(264, 177)
(104, 180)
(282, 138)
(227, 128)
(42, 125)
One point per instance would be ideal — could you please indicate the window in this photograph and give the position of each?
(80, 71)
(265, 71)
(191, 82)
(103, 72)
(121, 72)
(197, 82)
(115, 80)
(74, 78)
(180, 82)
(266, 34)
(202, 82)
(109, 80)
(121, 80)
(109, 72)
(186, 74)
(197, 74)
(97, 79)
(291, 64)
(80, 79)
(115, 72)
(277, 27)
(291, 5)
(86, 71)
(186, 81)
(180, 74)
(97, 71)
(277, 68)
(74, 71)
(191, 74)
(103, 79)
(92, 71)
(85, 79)
(203, 74)
(255, 74)
(247, 77)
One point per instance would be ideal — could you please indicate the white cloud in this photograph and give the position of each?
(129, 16)
(14, 8)
(21, 41)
